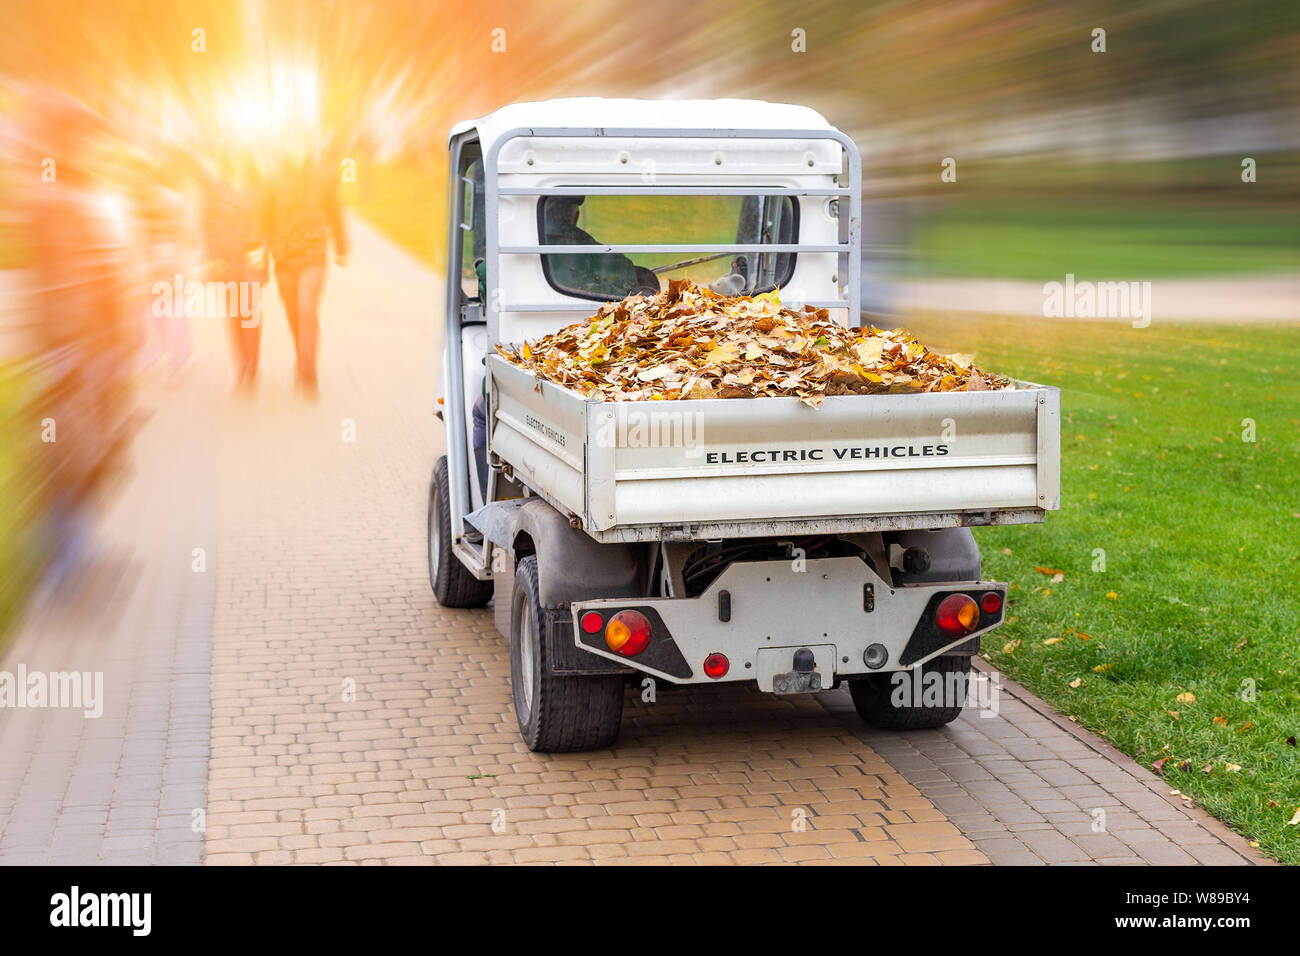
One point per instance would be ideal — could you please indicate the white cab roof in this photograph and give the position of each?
(596, 111)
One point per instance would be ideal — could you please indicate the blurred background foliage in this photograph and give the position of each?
(1139, 147)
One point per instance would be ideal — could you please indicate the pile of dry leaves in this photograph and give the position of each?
(690, 343)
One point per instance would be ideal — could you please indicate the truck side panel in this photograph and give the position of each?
(539, 429)
(637, 465)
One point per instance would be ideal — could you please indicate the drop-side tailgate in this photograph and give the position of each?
(648, 470)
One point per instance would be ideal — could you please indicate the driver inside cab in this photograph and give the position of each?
(604, 274)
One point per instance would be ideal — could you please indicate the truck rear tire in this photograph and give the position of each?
(873, 697)
(556, 713)
(453, 585)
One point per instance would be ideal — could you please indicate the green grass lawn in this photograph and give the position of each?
(1200, 592)
(1105, 239)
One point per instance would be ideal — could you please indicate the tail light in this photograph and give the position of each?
(592, 622)
(991, 602)
(716, 666)
(627, 633)
(958, 614)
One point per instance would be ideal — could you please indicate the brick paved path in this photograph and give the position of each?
(355, 721)
(122, 788)
(1026, 791)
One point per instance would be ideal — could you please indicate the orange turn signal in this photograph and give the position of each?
(958, 614)
(627, 633)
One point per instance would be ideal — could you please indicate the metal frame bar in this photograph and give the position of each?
(493, 192)
(564, 250)
(631, 190)
(843, 524)
(454, 392)
(586, 305)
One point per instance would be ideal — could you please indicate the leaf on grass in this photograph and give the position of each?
(1221, 721)
(1076, 682)
(1104, 668)
(1295, 820)
(1053, 640)
(1050, 572)
(1245, 727)
(1174, 714)
(1159, 766)
(1010, 646)
(1232, 767)
(1186, 697)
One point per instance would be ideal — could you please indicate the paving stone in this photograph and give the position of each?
(1164, 853)
(1216, 854)
(1009, 852)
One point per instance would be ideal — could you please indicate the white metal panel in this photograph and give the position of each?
(1049, 449)
(670, 156)
(602, 111)
(802, 495)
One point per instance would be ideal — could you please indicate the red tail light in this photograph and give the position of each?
(991, 602)
(627, 633)
(958, 614)
(717, 665)
(592, 622)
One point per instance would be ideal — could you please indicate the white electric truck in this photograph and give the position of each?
(701, 541)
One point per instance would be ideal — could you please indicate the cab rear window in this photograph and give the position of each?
(646, 220)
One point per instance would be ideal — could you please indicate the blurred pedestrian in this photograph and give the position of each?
(235, 244)
(305, 218)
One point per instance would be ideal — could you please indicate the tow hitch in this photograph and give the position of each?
(802, 679)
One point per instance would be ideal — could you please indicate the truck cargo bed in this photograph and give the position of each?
(692, 470)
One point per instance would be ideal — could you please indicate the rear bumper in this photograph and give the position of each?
(759, 613)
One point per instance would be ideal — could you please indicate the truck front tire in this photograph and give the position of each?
(556, 713)
(452, 583)
(874, 696)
